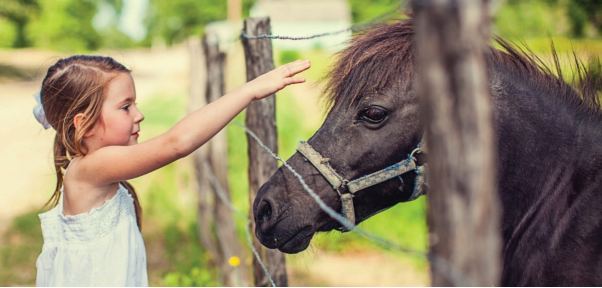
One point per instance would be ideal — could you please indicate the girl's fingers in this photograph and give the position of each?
(298, 66)
(293, 80)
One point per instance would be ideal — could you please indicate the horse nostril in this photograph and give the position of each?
(264, 212)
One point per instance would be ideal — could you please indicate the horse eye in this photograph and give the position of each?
(373, 115)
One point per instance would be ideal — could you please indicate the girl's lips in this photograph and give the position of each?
(135, 134)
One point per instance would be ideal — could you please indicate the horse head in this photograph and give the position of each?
(364, 158)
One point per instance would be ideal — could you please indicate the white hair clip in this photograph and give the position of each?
(38, 111)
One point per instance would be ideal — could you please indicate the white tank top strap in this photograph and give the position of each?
(68, 167)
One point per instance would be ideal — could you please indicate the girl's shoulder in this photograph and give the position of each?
(80, 195)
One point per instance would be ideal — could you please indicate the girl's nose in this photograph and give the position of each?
(139, 117)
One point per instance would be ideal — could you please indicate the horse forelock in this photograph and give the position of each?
(382, 56)
(377, 58)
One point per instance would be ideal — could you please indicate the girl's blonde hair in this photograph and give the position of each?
(77, 85)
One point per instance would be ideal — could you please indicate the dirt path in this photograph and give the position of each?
(25, 153)
(354, 269)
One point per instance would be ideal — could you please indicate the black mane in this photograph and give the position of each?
(379, 56)
(548, 155)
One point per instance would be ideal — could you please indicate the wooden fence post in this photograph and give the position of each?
(218, 156)
(463, 213)
(200, 157)
(261, 118)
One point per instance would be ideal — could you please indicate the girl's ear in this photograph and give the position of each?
(78, 120)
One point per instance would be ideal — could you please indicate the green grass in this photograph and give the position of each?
(20, 247)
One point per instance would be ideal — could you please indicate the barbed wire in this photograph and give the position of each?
(352, 28)
(439, 264)
(243, 35)
(222, 196)
(221, 193)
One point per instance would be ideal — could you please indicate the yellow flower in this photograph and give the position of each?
(234, 261)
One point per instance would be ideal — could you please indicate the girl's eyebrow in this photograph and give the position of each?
(128, 99)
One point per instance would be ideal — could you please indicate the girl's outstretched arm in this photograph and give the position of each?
(118, 163)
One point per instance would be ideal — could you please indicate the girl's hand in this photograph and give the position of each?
(275, 80)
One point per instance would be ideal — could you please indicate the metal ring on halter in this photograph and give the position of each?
(343, 186)
(417, 150)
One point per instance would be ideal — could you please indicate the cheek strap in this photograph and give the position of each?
(339, 183)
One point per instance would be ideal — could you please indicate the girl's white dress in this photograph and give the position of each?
(101, 248)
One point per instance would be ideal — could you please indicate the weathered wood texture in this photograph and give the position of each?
(261, 119)
(463, 212)
(200, 157)
(228, 244)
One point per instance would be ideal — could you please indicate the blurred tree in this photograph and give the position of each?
(7, 33)
(528, 18)
(19, 13)
(364, 10)
(57, 24)
(582, 12)
(67, 24)
(175, 20)
(514, 2)
(114, 38)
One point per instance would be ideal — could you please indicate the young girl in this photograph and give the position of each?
(92, 235)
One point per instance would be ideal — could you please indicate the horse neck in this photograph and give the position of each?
(544, 142)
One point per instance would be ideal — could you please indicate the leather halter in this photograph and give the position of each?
(339, 183)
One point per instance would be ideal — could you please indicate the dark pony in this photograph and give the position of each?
(549, 155)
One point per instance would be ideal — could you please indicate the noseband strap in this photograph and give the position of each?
(339, 183)
(321, 164)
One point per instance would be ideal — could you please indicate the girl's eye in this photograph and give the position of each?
(373, 115)
(126, 107)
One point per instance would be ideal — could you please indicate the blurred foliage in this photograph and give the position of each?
(595, 68)
(58, 24)
(19, 250)
(364, 10)
(528, 18)
(195, 278)
(173, 21)
(288, 56)
(8, 33)
(67, 24)
(582, 12)
(19, 13)
(536, 18)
